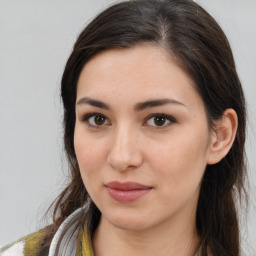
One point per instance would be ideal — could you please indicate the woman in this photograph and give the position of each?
(154, 131)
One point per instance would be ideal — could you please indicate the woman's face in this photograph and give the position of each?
(141, 138)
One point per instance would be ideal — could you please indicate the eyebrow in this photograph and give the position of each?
(156, 103)
(93, 102)
(138, 107)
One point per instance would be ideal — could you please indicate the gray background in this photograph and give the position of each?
(36, 38)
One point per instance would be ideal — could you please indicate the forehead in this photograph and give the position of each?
(140, 72)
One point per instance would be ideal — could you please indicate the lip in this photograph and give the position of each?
(126, 192)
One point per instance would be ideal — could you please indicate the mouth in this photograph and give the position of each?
(126, 192)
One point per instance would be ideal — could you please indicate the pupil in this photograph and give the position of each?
(99, 120)
(159, 121)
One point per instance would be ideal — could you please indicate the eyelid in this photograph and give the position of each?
(167, 117)
(85, 118)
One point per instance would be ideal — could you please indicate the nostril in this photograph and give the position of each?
(124, 152)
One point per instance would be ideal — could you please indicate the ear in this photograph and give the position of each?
(223, 136)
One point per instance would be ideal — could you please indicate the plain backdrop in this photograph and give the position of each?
(36, 38)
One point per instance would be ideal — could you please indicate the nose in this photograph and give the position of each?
(125, 153)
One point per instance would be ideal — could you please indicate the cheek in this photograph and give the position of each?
(90, 164)
(88, 149)
(90, 157)
(180, 163)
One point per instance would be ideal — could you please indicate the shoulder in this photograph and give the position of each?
(35, 244)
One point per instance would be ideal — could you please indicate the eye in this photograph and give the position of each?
(95, 120)
(160, 120)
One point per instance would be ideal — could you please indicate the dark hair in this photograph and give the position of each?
(199, 46)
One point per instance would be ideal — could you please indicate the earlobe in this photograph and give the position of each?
(223, 136)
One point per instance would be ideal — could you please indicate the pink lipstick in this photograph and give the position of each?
(126, 192)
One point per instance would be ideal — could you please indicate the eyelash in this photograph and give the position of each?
(88, 116)
(166, 118)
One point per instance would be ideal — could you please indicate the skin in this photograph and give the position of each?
(129, 145)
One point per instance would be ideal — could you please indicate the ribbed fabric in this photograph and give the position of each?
(34, 243)
(31, 245)
(84, 244)
(67, 243)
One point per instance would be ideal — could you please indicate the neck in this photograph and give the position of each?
(180, 238)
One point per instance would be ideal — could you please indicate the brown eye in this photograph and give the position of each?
(160, 120)
(99, 120)
(95, 120)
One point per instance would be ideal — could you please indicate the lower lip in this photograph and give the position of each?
(125, 196)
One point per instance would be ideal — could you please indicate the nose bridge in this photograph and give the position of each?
(121, 137)
(124, 150)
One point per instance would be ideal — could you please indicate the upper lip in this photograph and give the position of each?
(127, 185)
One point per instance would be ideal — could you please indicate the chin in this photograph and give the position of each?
(128, 225)
(132, 223)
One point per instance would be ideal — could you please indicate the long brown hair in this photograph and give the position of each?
(199, 46)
